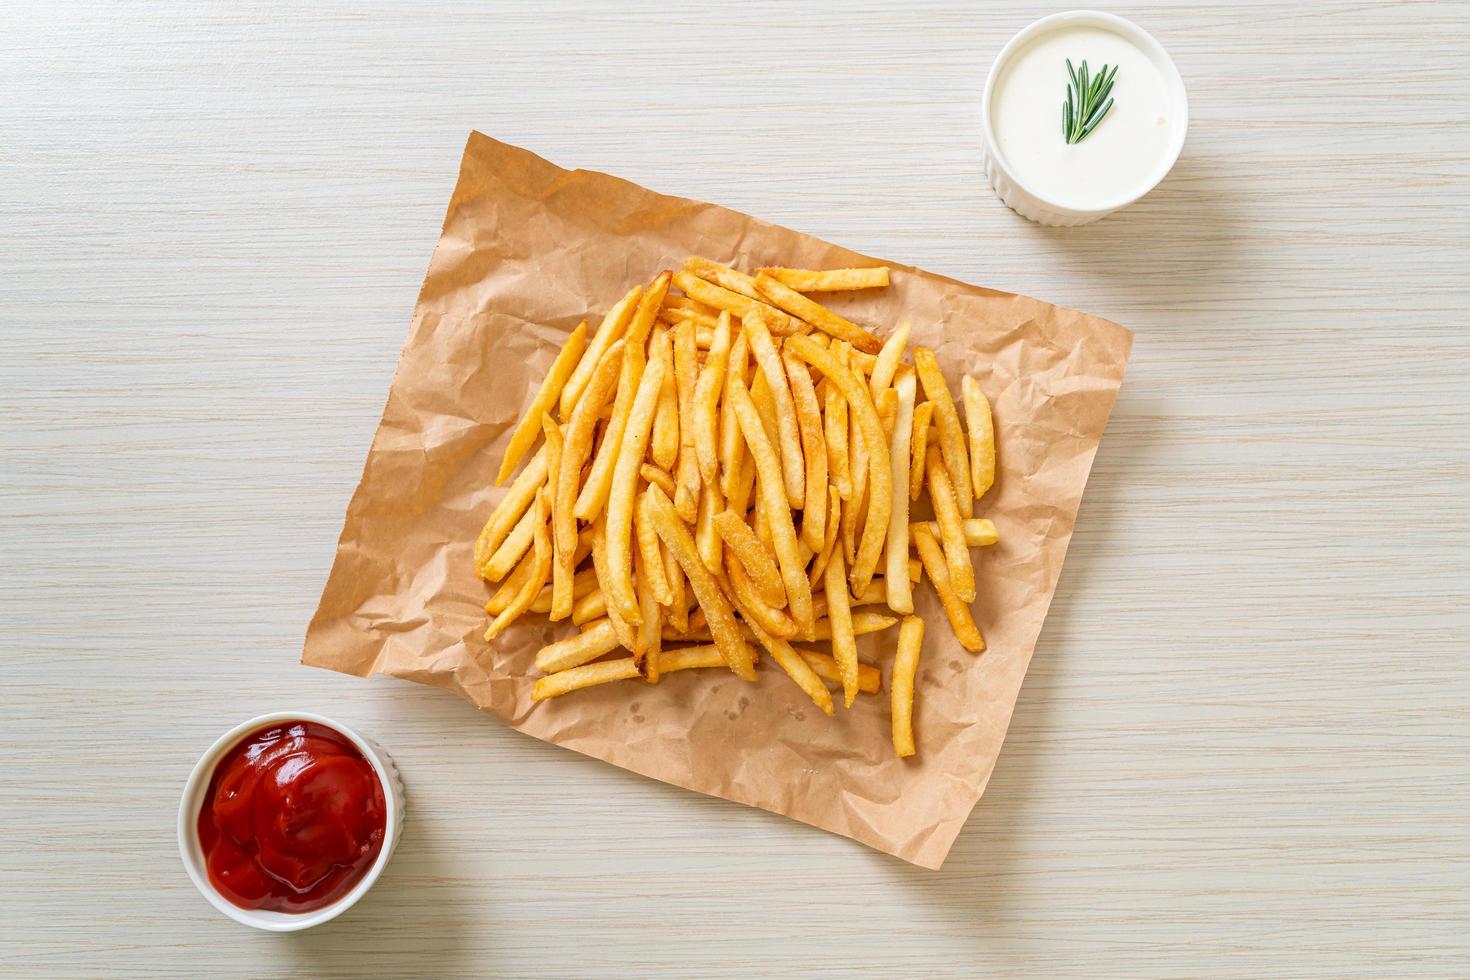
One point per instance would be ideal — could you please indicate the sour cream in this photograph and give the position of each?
(1127, 153)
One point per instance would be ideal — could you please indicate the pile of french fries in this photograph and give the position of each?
(678, 445)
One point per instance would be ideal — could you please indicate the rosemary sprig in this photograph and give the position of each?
(1084, 107)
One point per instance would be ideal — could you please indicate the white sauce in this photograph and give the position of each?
(1119, 157)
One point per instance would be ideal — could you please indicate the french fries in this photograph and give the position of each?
(717, 609)
(951, 436)
(959, 614)
(919, 449)
(839, 613)
(982, 435)
(524, 436)
(622, 490)
(905, 666)
(686, 375)
(707, 400)
(773, 501)
(724, 299)
(780, 496)
(810, 311)
(613, 326)
(813, 451)
(951, 531)
(788, 436)
(829, 280)
(895, 575)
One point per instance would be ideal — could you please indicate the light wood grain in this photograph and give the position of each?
(1242, 747)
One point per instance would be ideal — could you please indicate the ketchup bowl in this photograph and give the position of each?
(289, 819)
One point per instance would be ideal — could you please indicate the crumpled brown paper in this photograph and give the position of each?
(529, 250)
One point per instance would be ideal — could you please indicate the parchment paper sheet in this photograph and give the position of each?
(527, 251)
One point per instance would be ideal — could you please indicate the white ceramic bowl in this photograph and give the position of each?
(1025, 200)
(198, 783)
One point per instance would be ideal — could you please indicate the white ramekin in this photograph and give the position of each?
(1038, 207)
(198, 784)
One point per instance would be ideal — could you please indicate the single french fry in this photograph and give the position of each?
(677, 609)
(955, 609)
(813, 450)
(982, 435)
(591, 606)
(525, 434)
(613, 327)
(516, 544)
(599, 478)
(788, 299)
(648, 307)
(732, 443)
(722, 275)
(648, 546)
(707, 401)
(824, 665)
(717, 609)
(752, 608)
(863, 363)
(704, 322)
(511, 587)
(886, 366)
(788, 433)
(951, 436)
(839, 614)
(887, 407)
(880, 477)
(510, 510)
(583, 582)
(578, 444)
(905, 666)
(829, 280)
(723, 299)
(796, 667)
(876, 594)
(624, 669)
(863, 623)
(706, 538)
(979, 532)
(588, 675)
(577, 649)
(686, 372)
(683, 304)
(652, 473)
(852, 514)
(839, 464)
(687, 658)
(765, 407)
(951, 531)
(739, 501)
(916, 567)
(562, 562)
(665, 450)
(771, 490)
(900, 593)
(541, 555)
(647, 643)
(918, 450)
(626, 637)
(829, 541)
(623, 492)
(753, 555)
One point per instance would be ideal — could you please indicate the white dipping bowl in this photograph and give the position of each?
(1027, 201)
(198, 784)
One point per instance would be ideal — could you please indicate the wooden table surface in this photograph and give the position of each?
(1243, 746)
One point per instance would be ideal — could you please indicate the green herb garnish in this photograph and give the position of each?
(1084, 107)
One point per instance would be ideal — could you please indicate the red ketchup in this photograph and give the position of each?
(294, 816)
